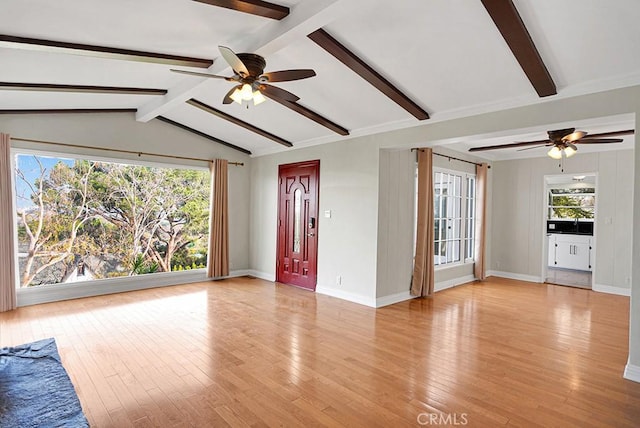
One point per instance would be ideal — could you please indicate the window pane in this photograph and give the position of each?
(454, 210)
(567, 204)
(297, 201)
(103, 220)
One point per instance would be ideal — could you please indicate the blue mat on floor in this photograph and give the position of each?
(35, 390)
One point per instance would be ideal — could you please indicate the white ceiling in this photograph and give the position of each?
(446, 55)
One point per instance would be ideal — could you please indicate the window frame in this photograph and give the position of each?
(465, 219)
(62, 291)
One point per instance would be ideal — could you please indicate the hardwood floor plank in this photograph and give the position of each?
(246, 352)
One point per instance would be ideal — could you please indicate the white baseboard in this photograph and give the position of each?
(393, 298)
(57, 292)
(239, 273)
(632, 372)
(612, 290)
(345, 295)
(262, 275)
(443, 285)
(406, 295)
(517, 276)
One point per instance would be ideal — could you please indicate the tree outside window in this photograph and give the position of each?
(79, 220)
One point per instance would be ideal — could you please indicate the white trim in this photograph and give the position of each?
(393, 299)
(57, 292)
(516, 276)
(406, 295)
(345, 295)
(262, 275)
(632, 372)
(609, 289)
(238, 273)
(443, 285)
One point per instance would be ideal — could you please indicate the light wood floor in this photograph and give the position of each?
(245, 352)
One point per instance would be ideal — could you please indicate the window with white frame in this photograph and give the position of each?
(454, 217)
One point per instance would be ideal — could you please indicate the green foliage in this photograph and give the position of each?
(566, 206)
(119, 219)
(141, 266)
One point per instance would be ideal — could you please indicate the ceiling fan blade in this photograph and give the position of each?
(275, 92)
(227, 98)
(233, 60)
(195, 73)
(287, 75)
(599, 140)
(573, 136)
(534, 147)
(509, 146)
(613, 134)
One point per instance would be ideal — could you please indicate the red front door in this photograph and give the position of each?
(297, 251)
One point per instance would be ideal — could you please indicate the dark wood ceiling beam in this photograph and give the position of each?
(506, 17)
(40, 45)
(236, 121)
(49, 87)
(68, 110)
(202, 134)
(351, 60)
(310, 114)
(254, 7)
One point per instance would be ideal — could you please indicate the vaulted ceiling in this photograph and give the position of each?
(380, 65)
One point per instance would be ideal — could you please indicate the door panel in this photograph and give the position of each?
(298, 224)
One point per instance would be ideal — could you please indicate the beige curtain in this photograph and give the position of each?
(481, 220)
(218, 262)
(423, 266)
(7, 261)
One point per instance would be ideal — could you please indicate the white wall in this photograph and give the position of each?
(396, 212)
(632, 370)
(347, 241)
(519, 232)
(121, 131)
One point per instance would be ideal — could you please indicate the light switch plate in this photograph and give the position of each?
(327, 214)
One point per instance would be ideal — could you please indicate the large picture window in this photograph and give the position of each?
(454, 217)
(82, 219)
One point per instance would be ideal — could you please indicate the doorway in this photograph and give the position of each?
(297, 245)
(569, 227)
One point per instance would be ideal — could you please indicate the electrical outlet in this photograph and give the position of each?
(339, 280)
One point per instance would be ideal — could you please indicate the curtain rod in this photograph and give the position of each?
(119, 150)
(451, 157)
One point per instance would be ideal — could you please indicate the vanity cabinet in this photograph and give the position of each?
(570, 251)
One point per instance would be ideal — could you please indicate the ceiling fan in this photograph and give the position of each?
(252, 81)
(562, 142)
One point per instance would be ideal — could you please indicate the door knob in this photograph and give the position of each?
(311, 234)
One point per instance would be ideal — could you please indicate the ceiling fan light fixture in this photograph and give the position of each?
(246, 92)
(236, 96)
(258, 98)
(555, 152)
(569, 151)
